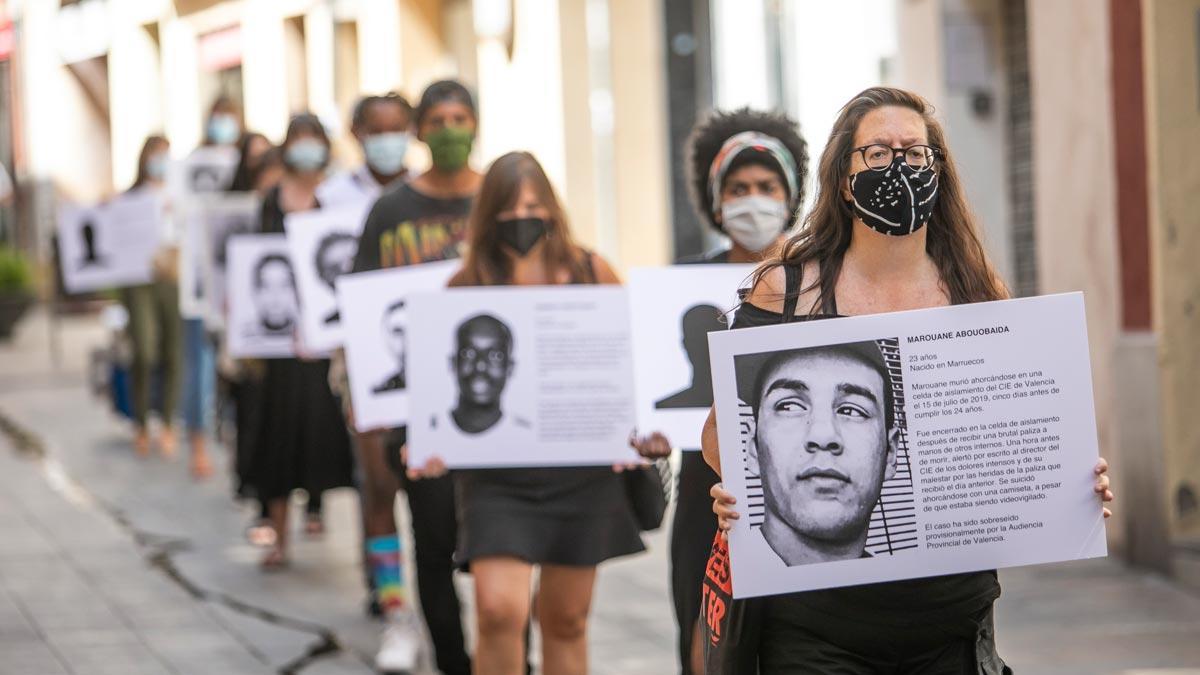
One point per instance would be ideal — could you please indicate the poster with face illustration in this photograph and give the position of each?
(206, 170)
(261, 288)
(217, 219)
(110, 246)
(375, 325)
(910, 444)
(673, 310)
(511, 376)
(323, 243)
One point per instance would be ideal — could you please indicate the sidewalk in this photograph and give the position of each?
(115, 564)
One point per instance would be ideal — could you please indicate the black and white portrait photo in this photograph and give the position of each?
(333, 258)
(520, 376)
(698, 322)
(274, 293)
(482, 363)
(377, 338)
(823, 432)
(392, 329)
(206, 178)
(323, 242)
(261, 291)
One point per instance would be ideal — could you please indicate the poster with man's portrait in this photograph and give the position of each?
(206, 170)
(111, 245)
(509, 377)
(264, 314)
(218, 218)
(323, 243)
(909, 444)
(673, 311)
(375, 326)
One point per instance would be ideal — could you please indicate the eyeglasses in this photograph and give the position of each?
(878, 157)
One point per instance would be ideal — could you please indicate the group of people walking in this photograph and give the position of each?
(851, 254)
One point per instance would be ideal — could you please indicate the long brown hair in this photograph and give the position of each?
(154, 143)
(486, 262)
(952, 240)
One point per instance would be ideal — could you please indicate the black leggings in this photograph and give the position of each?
(692, 534)
(435, 534)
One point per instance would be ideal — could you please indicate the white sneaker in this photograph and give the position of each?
(400, 646)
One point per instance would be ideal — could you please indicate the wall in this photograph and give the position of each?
(1075, 201)
(1173, 120)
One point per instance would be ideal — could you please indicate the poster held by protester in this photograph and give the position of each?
(206, 170)
(511, 377)
(908, 444)
(323, 243)
(220, 217)
(112, 245)
(263, 315)
(375, 326)
(673, 309)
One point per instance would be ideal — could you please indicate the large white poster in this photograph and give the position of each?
(219, 218)
(206, 170)
(533, 376)
(263, 310)
(906, 445)
(112, 245)
(323, 243)
(673, 310)
(375, 324)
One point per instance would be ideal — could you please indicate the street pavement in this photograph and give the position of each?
(114, 564)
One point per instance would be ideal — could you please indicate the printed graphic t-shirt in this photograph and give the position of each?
(408, 227)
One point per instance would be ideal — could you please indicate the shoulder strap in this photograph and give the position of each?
(791, 291)
(589, 268)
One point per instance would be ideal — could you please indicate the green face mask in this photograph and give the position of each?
(450, 147)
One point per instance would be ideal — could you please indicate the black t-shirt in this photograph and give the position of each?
(407, 227)
(893, 604)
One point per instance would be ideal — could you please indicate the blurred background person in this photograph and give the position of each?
(302, 442)
(251, 150)
(419, 221)
(155, 327)
(746, 173)
(382, 125)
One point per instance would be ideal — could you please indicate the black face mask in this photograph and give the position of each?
(522, 234)
(896, 200)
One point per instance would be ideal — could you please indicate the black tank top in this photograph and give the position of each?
(889, 604)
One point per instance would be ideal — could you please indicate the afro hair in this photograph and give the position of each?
(709, 135)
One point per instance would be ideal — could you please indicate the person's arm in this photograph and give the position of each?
(366, 258)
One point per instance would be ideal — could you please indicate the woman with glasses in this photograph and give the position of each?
(890, 231)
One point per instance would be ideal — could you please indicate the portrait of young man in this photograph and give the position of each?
(274, 295)
(482, 363)
(823, 440)
(393, 338)
(333, 258)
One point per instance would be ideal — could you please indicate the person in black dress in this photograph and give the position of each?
(859, 256)
(564, 520)
(747, 171)
(302, 442)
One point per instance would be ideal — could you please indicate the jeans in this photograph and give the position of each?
(200, 375)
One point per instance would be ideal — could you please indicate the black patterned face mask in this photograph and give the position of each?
(897, 200)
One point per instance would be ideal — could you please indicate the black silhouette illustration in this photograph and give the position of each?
(393, 338)
(91, 254)
(698, 322)
(335, 257)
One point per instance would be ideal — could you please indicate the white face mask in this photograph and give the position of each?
(754, 222)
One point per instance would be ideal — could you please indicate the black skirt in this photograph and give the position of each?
(562, 516)
(302, 440)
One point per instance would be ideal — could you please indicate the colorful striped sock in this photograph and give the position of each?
(387, 566)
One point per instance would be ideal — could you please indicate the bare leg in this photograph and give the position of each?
(502, 612)
(563, 602)
(276, 556)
